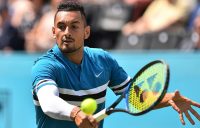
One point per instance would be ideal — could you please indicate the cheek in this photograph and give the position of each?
(59, 35)
(82, 37)
(79, 35)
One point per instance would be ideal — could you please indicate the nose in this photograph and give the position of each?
(67, 32)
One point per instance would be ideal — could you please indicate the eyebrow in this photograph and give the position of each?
(71, 22)
(75, 22)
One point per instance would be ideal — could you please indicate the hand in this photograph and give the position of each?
(182, 105)
(127, 29)
(82, 120)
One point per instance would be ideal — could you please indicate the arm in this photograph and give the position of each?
(52, 105)
(180, 104)
(55, 107)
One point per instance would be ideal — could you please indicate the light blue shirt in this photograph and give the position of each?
(91, 78)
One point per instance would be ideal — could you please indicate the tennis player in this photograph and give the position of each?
(70, 72)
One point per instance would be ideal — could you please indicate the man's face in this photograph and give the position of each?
(70, 31)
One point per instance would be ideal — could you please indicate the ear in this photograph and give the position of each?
(87, 32)
(53, 31)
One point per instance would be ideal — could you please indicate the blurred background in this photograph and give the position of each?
(134, 31)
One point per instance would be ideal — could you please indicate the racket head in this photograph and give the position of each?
(147, 88)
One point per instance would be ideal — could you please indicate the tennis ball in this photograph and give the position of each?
(89, 106)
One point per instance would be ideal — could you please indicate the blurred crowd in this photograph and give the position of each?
(25, 25)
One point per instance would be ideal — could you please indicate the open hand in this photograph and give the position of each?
(184, 105)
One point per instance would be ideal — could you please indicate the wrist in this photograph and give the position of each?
(74, 112)
(165, 101)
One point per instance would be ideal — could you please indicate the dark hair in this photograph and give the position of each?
(71, 5)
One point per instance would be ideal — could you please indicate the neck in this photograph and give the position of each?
(76, 57)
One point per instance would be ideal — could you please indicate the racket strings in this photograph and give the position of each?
(146, 89)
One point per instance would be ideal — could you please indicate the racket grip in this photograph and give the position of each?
(100, 115)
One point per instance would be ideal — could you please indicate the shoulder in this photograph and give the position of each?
(100, 56)
(45, 67)
(46, 60)
(96, 53)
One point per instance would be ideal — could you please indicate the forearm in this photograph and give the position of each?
(55, 107)
(165, 101)
(52, 105)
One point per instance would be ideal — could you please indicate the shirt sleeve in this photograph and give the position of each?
(43, 73)
(52, 105)
(46, 93)
(119, 78)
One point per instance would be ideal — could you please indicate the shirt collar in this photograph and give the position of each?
(57, 52)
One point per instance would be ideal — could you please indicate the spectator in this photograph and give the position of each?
(194, 27)
(42, 30)
(10, 39)
(159, 15)
(107, 23)
(139, 7)
(25, 15)
(197, 32)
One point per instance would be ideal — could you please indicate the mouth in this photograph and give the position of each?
(67, 40)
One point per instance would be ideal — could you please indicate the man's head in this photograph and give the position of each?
(71, 5)
(70, 28)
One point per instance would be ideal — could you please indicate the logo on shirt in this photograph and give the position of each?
(97, 75)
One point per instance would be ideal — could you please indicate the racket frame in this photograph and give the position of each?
(164, 91)
(111, 109)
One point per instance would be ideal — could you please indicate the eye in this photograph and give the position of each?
(61, 26)
(74, 26)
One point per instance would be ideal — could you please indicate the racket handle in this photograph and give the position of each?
(100, 115)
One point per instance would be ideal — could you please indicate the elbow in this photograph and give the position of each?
(49, 111)
(54, 114)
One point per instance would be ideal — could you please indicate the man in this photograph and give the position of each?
(70, 72)
(156, 18)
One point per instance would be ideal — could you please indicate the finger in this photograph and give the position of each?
(177, 93)
(181, 118)
(93, 122)
(171, 102)
(174, 106)
(88, 124)
(195, 103)
(195, 113)
(189, 117)
(82, 120)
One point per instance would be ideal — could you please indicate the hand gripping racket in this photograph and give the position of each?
(144, 92)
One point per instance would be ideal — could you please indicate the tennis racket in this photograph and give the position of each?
(144, 92)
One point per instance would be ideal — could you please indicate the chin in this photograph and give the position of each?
(66, 49)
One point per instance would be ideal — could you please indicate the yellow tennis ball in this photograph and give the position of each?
(89, 106)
